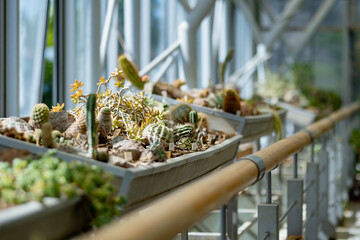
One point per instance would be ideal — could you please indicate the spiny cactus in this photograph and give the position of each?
(222, 66)
(231, 102)
(91, 126)
(157, 131)
(81, 122)
(184, 130)
(105, 122)
(130, 72)
(194, 119)
(185, 143)
(180, 113)
(47, 139)
(40, 114)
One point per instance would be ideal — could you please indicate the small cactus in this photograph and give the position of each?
(40, 114)
(91, 126)
(185, 143)
(194, 118)
(180, 113)
(130, 72)
(231, 102)
(105, 122)
(184, 130)
(46, 135)
(156, 131)
(56, 134)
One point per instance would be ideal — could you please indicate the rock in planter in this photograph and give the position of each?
(61, 120)
(18, 124)
(129, 146)
(119, 161)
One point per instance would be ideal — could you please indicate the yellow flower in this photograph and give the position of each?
(119, 83)
(101, 81)
(76, 85)
(76, 96)
(58, 107)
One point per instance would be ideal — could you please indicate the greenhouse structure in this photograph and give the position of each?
(180, 119)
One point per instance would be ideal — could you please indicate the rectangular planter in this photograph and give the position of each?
(250, 127)
(144, 183)
(299, 116)
(53, 219)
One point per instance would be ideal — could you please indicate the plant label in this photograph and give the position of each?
(238, 113)
(128, 156)
(194, 146)
(172, 147)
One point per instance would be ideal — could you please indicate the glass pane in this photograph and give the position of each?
(31, 42)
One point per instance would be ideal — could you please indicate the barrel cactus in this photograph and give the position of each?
(105, 122)
(184, 131)
(231, 102)
(180, 113)
(40, 114)
(158, 131)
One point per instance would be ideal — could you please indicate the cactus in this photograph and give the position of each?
(157, 131)
(231, 102)
(222, 66)
(81, 122)
(46, 135)
(91, 126)
(105, 122)
(56, 134)
(194, 119)
(130, 72)
(185, 143)
(40, 114)
(180, 113)
(184, 130)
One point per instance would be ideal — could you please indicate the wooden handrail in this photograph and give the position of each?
(174, 213)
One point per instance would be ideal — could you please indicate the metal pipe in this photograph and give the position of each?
(308, 186)
(314, 24)
(223, 222)
(175, 212)
(185, 5)
(295, 165)
(287, 211)
(132, 30)
(162, 56)
(246, 226)
(268, 187)
(168, 62)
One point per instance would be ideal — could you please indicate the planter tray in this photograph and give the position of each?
(53, 219)
(144, 183)
(297, 115)
(250, 127)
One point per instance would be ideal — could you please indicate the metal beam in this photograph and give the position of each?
(270, 13)
(2, 58)
(314, 24)
(132, 30)
(106, 31)
(145, 32)
(290, 11)
(245, 8)
(185, 5)
(11, 65)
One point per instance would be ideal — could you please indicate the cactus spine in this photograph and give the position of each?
(184, 131)
(180, 113)
(231, 101)
(91, 126)
(40, 114)
(194, 119)
(130, 72)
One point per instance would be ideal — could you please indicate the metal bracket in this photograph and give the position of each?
(310, 133)
(259, 164)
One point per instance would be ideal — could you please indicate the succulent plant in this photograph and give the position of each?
(91, 125)
(180, 113)
(184, 130)
(130, 72)
(231, 102)
(194, 118)
(158, 131)
(40, 114)
(105, 122)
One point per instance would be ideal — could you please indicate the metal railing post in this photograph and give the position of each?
(326, 226)
(312, 200)
(223, 222)
(268, 215)
(295, 194)
(232, 218)
(185, 235)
